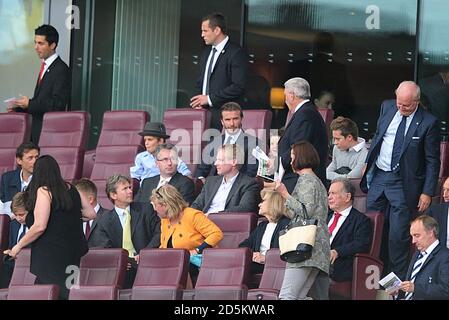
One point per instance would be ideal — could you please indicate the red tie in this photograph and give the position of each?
(337, 216)
(40, 73)
(87, 229)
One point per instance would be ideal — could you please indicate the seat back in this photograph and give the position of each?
(65, 129)
(186, 127)
(7, 159)
(359, 201)
(236, 227)
(444, 159)
(4, 231)
(34, 292)
(103, 267)
(162, 267)
(70, 161)
(273, 272)
(377, 220)
(21, 274)
(258, 123)
(121, 128)
(224, 267)
(15, 128)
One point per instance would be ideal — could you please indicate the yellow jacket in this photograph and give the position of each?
(191, 231)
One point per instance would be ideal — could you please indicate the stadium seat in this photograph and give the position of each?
(34, 292)
(70, 160)
(223, 274)
(15, 128)
(364, 266)
(102, 274)
(65, 129)
(258, 124)
(161, 275)
(444, 158)
(359, 201)
(7, 159)
(272, 278)
(21, 274)
(236, 227)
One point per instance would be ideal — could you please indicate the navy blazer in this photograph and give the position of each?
(439, 213)
(14, 228)
(354, 236)
(255, 238)
(306, 124)
(244, 195)
(420, 154)
(10, 185)
(183, 184)
(432, 280)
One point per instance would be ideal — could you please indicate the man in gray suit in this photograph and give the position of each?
(167, 162)
(231, 190)
(130, 225)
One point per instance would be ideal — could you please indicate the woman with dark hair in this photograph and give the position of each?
(55, 226)
(309, 193)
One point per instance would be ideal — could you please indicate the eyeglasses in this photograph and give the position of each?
(158, 194)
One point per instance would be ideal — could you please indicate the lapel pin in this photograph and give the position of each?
(222, 51)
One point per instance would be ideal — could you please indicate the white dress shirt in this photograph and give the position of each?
(234, 137)
(219, 202)
(121, 215)
(48, 63)
(344, 215)
(266, 239)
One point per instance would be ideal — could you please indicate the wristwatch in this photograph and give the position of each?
(197, 250)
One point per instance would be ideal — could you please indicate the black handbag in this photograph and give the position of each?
(296, 241)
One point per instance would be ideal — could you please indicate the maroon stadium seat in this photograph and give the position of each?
(7, 159)
(15, 128)
(21, 274)
(236, 227)
(258, 124)
(70, 160)
(359, 201)
(34, 292)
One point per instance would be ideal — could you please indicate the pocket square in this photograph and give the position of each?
(415, 138)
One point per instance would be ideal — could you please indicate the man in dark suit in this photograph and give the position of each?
(223, 69)
(167, 161)
(17, 180)
(402, 168)
(231, 118)
(130, 225)
(89, 191)
(231, 190)
(428, 272)
(440, 212)
(305, 124)
(52, 91)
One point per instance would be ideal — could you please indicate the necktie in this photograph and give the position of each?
(162, 182)
(397, 146)
(289, 117)
(416, 267)
(209, 69)
(24, 228)
(87, 233)
(229, 140)
(127, 242)
(337, 216)
(40, 73)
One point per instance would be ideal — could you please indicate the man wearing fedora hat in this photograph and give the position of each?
(154, 134)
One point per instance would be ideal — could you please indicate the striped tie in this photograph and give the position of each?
(416, 267)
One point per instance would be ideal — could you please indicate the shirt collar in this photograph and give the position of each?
(345, 212)
(221, 45)
(97, 208)
(234, 136)
(431, 247)
(301, 104)
(359, 146)
(51, 59)
(121, 212)
(231, 180)
(23, 181)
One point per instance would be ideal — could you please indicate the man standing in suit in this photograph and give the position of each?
(223, 69)
(89, 191)
(52, 91)
(428, 273)
(440, 212)
(17, 180)
(130, 225)
(305, 124)
(402, 168)
(167, 162)
(231, 118)
(231, 190)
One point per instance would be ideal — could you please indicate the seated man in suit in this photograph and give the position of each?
(17, 230)
(130, 225)
(17, 180)
(440, 212)
(231, 119)
(167, 161)
(231, 190)
(154, 134)
(89, 191)
(428, 272)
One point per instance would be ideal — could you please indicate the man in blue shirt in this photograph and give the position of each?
(153, 134)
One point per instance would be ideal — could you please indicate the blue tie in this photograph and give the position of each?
(397, 146)
(23, 232)
(416, 268)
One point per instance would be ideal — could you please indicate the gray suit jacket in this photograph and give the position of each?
(93, 236)
(184, 185)
(243, 197)
(145, 228)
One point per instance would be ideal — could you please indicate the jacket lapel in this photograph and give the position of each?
(234, 188)
(213, 190)
(348, 222)
(116, 229)
(220, 55)
(412, 128)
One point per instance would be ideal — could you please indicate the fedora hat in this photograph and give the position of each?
(154, 129)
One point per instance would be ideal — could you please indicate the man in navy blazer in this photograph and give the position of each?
(223, 69)
(428, 272)
(440, 212)
(52, 91)
(305, 124)
(402, 168)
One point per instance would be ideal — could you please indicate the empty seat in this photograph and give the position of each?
(21, 274)
(272, 278)
(258, 123)
(223, 274)
(7, 159)
(102, 273)
(15, 128)
(34, 292)
(359, 201)
(236, 227)
(161, 275)
(70, 161)
(65, 129)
